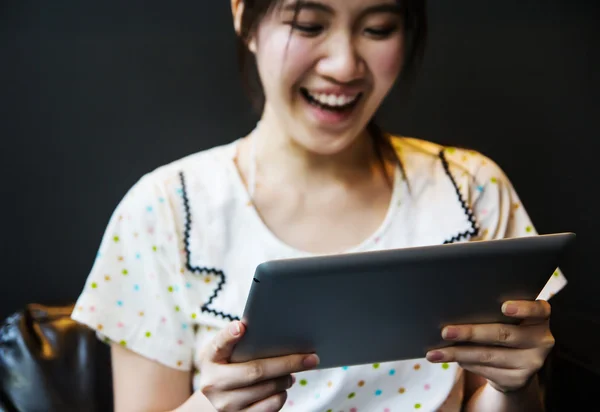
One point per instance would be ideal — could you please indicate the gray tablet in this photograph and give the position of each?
(390, 305)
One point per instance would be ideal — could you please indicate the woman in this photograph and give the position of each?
(316, 176)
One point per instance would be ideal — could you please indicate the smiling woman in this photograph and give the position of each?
(316, 176)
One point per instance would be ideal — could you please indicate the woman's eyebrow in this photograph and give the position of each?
(308, 5)
(392, 8)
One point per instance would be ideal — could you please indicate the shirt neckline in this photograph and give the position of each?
(398, 188)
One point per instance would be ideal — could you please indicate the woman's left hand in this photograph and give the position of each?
(508, 356)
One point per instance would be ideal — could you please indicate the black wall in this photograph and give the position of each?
(94, 94)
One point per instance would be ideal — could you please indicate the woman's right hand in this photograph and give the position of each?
(258, 385)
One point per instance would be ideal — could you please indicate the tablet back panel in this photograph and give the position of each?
(389, 305)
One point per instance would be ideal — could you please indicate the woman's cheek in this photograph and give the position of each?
(281, 55)
(386, 62)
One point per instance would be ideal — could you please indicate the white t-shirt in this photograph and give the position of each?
(178, 256)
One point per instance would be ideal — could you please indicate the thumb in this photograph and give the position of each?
(222, 346)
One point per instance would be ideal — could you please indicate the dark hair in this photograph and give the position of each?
(415, 32)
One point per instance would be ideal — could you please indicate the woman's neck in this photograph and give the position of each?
(277, 154)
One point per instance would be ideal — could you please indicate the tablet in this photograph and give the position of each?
(381, 306)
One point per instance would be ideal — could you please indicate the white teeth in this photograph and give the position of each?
(333, 100)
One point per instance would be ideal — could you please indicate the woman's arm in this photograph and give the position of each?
(142, 385)
(481, 396)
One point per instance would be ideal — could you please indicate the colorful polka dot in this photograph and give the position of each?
(125, 272)
(138, 256)
(194, 316)
(353, 410)
(427, 387)
(116, 239)
(303, 382)
(375, 366)
(329, 384)
(361, 384)
(401, 391)
(345, 368)
(417, 406)
(556, 274)
(120, 302)
(177, 308)
(141, 314)
(184, 326)
(136, 287)
(352, 395)
(170, 289)
(149, 208)
(94, 285)
(378, 392)
(107, 278)
(123, 343)
(120, 258)
(494, 180)
(445, 366)
(529, 229)
(179, 363)
(100, 327)
(417, 367)
(148, 334)
(392, 372)
(154, 248)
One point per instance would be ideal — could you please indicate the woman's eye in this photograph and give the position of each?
(308, 29)
(380, 33)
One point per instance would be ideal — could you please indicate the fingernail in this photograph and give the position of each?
(510, 308)
(293, 379)
(310, 361)
(234, 328)
(450, 333)
(435, 356)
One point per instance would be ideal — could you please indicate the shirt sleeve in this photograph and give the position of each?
(501, 214)
(131, 294)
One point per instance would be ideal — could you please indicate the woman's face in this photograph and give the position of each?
(324, 82)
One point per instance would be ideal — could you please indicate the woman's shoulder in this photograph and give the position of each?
(212, 164)
(421, 156)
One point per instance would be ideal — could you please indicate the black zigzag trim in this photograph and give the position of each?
(474, 230)
(197, 269)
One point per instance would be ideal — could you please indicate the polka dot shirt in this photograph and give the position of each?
(176, 261)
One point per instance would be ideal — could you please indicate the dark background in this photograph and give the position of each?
(95, 94)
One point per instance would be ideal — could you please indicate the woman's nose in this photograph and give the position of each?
(341, 62)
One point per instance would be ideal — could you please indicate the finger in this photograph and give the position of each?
(481, 355)
(221, 348)
(501, 379)
(242, 398)
(273, 403)
(530, 310)
(513, 336)
(240, 375)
